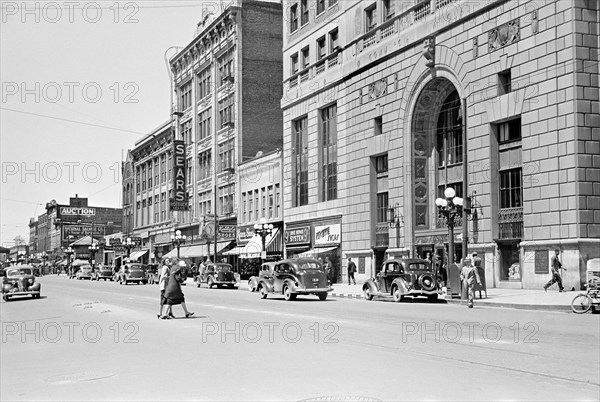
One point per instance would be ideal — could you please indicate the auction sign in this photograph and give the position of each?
(179, 202)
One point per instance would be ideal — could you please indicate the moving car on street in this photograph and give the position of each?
(152, 274)
(103, 272)
(404, 277)
(219, 274)
(20, 281)
(295, 277)
(133, 272)
(85, 272)
(265, 269)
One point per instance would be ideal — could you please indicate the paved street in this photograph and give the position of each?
(99, 341)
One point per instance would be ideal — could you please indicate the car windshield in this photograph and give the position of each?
(20, 271)
(86, 267)
(308, 265)
(136, 267)
(223, 268)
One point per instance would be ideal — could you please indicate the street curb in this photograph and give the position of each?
(478, 303)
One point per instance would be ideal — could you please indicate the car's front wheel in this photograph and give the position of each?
(396, 294)
(251, 286)
(367, 293)
(287, 293)
(322, 296)
(5, 297)
(210, 282)
(263, 292)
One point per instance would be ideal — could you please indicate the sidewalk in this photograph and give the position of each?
(508, 298)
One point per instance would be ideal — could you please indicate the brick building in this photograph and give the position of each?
(226, 108)
(387, 103)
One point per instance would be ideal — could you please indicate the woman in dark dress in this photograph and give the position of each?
(173, 293)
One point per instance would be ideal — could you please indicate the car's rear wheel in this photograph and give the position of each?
(287, 293)
(367, 293)
(322, 296)
(210, 283)
(263, 292)
(396, 294)
(5, 297)
(251, 286)
(432, 298)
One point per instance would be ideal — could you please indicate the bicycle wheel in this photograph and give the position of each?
(582, 303)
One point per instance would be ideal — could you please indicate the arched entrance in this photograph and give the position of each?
(437, 156)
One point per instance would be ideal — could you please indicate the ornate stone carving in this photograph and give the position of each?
(429, 51)
(534, 22)
(378, 88)
(475, 47)
(504, 35)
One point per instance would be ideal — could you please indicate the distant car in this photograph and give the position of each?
(133, 272)
(295, 277)
(152, 274)
(20, 281)
(217, 274)
(103, 272)
(265, 269)
(403, 277)
(85, 272)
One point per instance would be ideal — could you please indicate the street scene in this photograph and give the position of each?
(303, 200)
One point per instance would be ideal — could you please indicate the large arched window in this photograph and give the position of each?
(449, 132)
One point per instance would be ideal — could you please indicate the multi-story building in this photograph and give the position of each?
(259, 199)
(387, 103)
(226, 108)
(64, 224)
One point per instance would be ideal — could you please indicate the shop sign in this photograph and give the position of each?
(245, 234)
(179, 202)
(137, 240)
(114, 241)
(328, 234)
(300, 235)
(82, 230)
(226, 232)
(77, 211)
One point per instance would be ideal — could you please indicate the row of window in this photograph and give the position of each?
(321, 45)
(225, 67)
(327, 157)
(144, 173)
(263, 203)
(303, 13)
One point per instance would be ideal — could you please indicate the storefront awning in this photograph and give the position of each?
(253, 248)
(197, 250)
(314, 252)
(136, 255)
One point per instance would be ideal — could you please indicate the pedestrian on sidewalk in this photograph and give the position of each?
(173, 293)
(351, 270)
(556, 266)
(162, 285)
(468, 275)
(328, 268)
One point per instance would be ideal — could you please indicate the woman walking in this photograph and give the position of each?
(173, 293)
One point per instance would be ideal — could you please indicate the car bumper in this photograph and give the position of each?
(423, 292)
(22, 293)
(310, 291)
(227, 283)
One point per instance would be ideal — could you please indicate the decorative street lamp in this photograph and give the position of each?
(449, 208)
(30, 258)
(69, 252)
(178, 239)
(263, 230)
(395, 220)
(128, 244)
(93, 250)
(21, 258)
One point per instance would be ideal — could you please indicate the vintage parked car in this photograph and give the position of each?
(152, 274)
(219, 274)
(103, 272)
(132, 272)
(20, 281)
(403, 277)
(85, 272)
(265, 269)
(290, 278)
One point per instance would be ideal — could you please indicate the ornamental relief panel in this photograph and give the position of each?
(504, 35)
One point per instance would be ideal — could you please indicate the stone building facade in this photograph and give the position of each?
(387, 103)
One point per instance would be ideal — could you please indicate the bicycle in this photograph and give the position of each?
(583, 302)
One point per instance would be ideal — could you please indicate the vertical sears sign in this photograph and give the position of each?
(179, 202)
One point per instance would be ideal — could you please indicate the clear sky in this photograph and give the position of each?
(80, 85)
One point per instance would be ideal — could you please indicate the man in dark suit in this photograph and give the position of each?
(351, 270)
(556, 266)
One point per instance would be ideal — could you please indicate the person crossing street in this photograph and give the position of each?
(468, 275)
